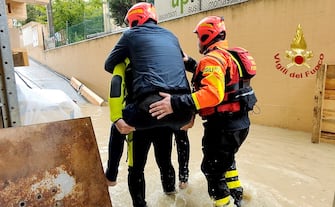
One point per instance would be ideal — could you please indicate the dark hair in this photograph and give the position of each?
(134, 23)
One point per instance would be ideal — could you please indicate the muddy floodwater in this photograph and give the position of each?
(278, 168)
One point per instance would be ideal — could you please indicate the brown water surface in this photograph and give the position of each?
(278, 168)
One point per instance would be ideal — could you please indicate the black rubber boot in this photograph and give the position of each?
(237, 194)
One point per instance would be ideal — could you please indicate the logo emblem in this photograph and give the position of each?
(298, 53)
(298, 56)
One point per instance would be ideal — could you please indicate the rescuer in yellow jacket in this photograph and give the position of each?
(226, 122)
(116, 101)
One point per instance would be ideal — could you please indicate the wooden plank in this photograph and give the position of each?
(76, 84)
(20, 57)
(327, 137)
(52, 164)
(328, 109)
(329, 94)
(328, 126)
(91, 96)
(328, 115)
(330, 72)
(318, 99)
(329, 104)
(86, 92)
(325, 140)
(330, 84)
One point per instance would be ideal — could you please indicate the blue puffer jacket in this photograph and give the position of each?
(156, 59)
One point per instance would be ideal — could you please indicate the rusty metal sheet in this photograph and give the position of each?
(55, 164)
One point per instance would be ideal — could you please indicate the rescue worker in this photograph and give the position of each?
(157, 65)
(226, 122)
(117, 99)
(139, 143)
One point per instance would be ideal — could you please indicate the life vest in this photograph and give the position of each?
(236, 87)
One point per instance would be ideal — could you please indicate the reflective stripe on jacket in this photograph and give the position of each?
(213, 76)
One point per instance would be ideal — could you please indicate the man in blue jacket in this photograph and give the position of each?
(157, 65)
(117, 101)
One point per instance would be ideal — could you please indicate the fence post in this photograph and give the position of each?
(9, 105)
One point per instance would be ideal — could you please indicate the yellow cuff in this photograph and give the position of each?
(222, 201)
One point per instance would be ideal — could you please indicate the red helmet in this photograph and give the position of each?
(140, 13)
(208, 28)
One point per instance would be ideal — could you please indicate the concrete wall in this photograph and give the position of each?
(265, 27)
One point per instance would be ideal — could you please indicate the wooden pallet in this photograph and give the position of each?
(324, 109)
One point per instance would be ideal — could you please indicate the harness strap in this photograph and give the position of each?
(241, 84)
(231, 103)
